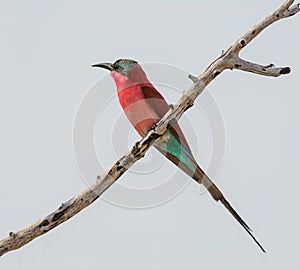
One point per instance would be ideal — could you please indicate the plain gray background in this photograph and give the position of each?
(46, 51)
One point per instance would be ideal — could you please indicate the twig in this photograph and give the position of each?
(228, 60)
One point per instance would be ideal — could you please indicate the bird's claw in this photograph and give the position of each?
(154, 126)
(136, 145)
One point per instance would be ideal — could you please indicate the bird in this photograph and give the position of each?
(144, 107)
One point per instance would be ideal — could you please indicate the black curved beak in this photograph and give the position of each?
(104, 65)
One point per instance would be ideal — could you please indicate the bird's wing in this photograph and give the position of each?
(161, 107)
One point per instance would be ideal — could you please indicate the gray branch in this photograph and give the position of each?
(268, 70)
(228, 60)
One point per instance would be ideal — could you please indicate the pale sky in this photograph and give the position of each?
(46, 51)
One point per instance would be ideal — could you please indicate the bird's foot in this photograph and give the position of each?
(171, 106)
(154, 126)
(136, 145)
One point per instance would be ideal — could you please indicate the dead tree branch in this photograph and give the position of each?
(228, 60)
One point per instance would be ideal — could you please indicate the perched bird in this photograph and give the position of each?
(144, 106)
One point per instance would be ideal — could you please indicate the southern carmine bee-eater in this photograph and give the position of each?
(144, 106)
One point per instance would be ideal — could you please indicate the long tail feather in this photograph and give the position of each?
(199, 175)
(240, 220)
(202, 178)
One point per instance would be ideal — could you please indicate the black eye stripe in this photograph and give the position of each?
(116, 66)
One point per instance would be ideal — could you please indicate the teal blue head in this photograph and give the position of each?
(125, 72)
(122, 66)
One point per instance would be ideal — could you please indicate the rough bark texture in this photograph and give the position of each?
(228, 60)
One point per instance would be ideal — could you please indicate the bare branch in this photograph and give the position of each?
(282, 12)
(228, 60)
(268, 70)
(193, 78)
